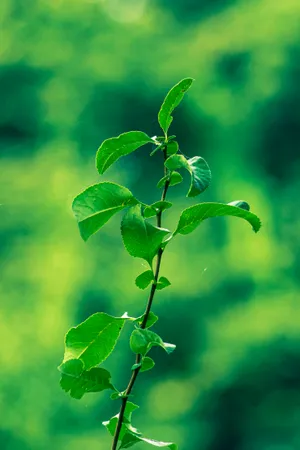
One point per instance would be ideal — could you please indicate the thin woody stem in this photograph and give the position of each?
(143, 324)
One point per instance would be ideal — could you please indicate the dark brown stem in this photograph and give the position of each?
(143, 324)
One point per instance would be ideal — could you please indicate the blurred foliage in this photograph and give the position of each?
(74, 72)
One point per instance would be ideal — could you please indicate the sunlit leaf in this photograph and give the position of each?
(93, 340)
(77, 381)
(198, 169)
(97, 204)
(144, 279)
(173, 98)
(141, 238)
(141, 342)
(112, 149)
(192, 217)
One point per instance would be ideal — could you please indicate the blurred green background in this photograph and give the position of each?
(75, 72)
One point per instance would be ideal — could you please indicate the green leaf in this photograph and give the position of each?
(192, 217)
(147, 364)
(130, 435)
(115, 395)
(136, 366)
(93, 340)
(162, 182)
(175, 178)
(152, 319)
(130, 439)
(172, 148)
(240, 204)
(141, 342)
(97, 204)
(163, 282)
(155, 208)
(144, 279)
(141, 238)
(126, 425)
(77, 381)
(173, 98)
(112, 149)
(198, 169)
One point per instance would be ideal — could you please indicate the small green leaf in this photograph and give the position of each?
(175, 178)
(241, 204)
(173, 98)
(130, 439)
(155, 208)
(192, 217)
(97, 204)
(160, 444)
(77, 381)
(141, 342)
(112, 149)
(130, 435)
(172, 148)
(93, 340)
(147, 364)
(144, 279)
(163, 282)
(198, 169)
(152, 319)
(136, 366)
(162, 182)
(126, 426)
(115, 395)
(141, 238)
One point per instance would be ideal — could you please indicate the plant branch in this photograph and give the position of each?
(144, 322)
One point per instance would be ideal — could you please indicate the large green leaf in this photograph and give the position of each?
(192, 217)
(93, 340)
(97, 204)
(142, 340)
(173, 98)
(77, 381)
(198, 169)
(112, 149)
(141, 238)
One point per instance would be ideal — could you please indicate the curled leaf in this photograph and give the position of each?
(198, 169)
(192, 217)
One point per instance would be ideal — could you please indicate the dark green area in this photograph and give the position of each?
(74, 73)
